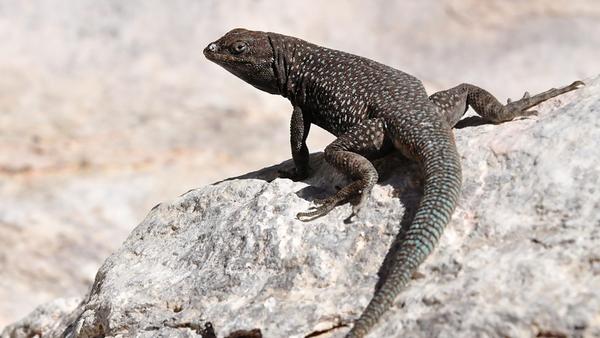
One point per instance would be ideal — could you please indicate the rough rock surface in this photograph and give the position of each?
(108, 107)
(519, 259)
(53, 316)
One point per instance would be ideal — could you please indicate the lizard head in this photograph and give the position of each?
(247, 55)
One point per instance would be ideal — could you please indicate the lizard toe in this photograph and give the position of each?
(527, 113)
(577, 84)
(316, 212)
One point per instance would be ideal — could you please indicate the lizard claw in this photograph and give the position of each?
(525, 96)
(355, 214)
(322, 207)
(316, 212)
(577, 84)
(524, 114)
(357, 208)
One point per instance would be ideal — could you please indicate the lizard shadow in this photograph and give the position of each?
(406, 179)
(475, 121)
(471, 121)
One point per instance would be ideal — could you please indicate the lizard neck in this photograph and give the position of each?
(288, 56)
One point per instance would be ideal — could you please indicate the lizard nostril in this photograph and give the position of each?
(212, 47)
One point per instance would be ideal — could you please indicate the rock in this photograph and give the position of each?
(519, 259)
(49, 317)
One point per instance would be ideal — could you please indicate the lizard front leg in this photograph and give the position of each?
(299, 128)
(454, 102)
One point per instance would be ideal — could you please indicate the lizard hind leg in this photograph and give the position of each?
(349, 154)
(453, 103)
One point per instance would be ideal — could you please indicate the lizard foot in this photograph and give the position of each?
(294, 174)
(316, 212)
(324, 206)
(520, 108)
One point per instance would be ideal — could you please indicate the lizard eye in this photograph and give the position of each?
(239, 47)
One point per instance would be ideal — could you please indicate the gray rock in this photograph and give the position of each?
(519, 259)
(50, 317)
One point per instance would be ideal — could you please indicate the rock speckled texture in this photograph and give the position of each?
(520, 258)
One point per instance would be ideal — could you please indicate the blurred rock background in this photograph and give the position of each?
(108, 107)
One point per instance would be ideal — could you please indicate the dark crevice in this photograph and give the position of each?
(254, 333)
(320, 332)
(551, 334)
(205, 331)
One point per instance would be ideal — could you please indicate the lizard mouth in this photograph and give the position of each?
(211, 52)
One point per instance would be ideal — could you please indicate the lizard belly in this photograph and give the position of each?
(336, 118)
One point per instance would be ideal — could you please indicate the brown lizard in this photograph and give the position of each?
(373, 109)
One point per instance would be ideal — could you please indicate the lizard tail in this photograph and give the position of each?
(441, 166)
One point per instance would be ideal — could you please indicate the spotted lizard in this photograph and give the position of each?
(373, 110)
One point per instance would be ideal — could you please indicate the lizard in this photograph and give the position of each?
(372, 109)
